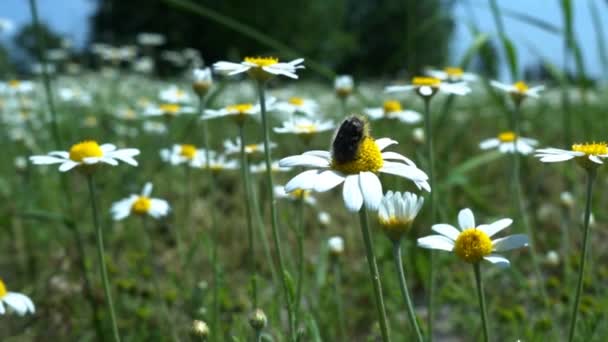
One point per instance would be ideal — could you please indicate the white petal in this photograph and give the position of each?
(305, 181)
(403, 170)
(327, 180)
(147, 191)
(496, 227)
(107, 148)
(319, 153)
(489, 143)
(510, 242)
(466, 219)
(397, 156)
(371, 188)
(399, 88)
(304, 160)
(68, 165)
(436, 242)
(595, 159)
(498, 260)
(385, 142)
(446, 230)
(45, 160)
(351, 194)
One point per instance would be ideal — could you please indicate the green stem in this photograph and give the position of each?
(102, 259)
(150, 249)
(250, 232)
(300, 260)
(579, 285)
(404, 290)
(215, 323)
(273, 210)
(338, 296)
(343, 106)
(482, 301)
(374, 275)
(428, 127)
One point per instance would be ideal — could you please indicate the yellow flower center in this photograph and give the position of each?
(169, 108)
(591, 148)
(306, 128)
(367, 158)
(395, 227)
(85, 149)
(300, 194)
(141, 206)
(521, 87)
(251, 148)
(188, 151)
(426, 81)
(453, 71)
(296, 101)
(262, 61)
(507, 136)
(14, 83)
(392, 106)
(3, 291)
(472, 245)
(240, 108)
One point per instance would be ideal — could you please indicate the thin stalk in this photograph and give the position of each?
(343, 106)
(258, 335)
(215, 322)
(102, 258)
(374, 275)
(250, 232)
(338, 296)
(579, 285)
(273, 211)
(404, 290)
(150, 249)
(428, 127)
(482, 301)
(300, 260)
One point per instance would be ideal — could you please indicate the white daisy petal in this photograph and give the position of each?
(498, 260)
(510, 242)
(371, 188)
(466, 219)
(327, 180)
(385, 142)
(495, 227)
(305, 181)
(351, 193)
(67, 165)
(436, 242)
(446, 230)
(304, 160)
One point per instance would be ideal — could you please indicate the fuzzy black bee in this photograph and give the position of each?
(347, 139)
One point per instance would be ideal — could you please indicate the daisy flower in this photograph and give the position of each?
(452, 74)
(344, 84)
(174, 94)
(14, 87)
(304, 126)
(238, 112)
(261, 167)
(219, 163)
(87, 154)
(260, 68)
(296, 195)
(429, 86)
(234, 147)
(308, 107)
(472, 243)
(586, 154)
(391, 109)
(180, 154)
(355, 160)
(397, 213)
(505, 142)
(140, 205)
(17, 302)
(168, 110)
(519, 90)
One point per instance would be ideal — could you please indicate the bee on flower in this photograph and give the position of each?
(14, 301)
(505, 143)
(260, 68)
(426, 87)
(87, 154)
(391, 109)
(181, 154)
(141, 205)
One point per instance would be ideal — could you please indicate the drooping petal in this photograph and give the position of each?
(305, 181)
(385, 142)
(371, 189)
(497, 260)
(351, 193)
(67, 165)
(510, 242)
(327, 180)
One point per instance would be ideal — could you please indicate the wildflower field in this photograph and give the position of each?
(265, 197)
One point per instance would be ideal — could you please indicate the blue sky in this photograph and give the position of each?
(70, 18)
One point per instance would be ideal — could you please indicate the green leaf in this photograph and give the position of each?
(511, 54)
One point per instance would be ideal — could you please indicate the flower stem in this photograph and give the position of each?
(102, 259)
(428, 127)
(300, 260)
(482, 301)
(404, 290)
(273, 211)
(250, 232)
(339, 303)
(375, 277)
(579, 285)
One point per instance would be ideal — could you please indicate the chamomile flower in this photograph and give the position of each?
(391, 109)
(274, 167)
(234, 147)
(397, 213)
(180, 154)
(141, 205)
(238, 112)
(219, 163)
(86, 154)
(586, 154)
(344, 85)
(126, 113)
(355, 160)
(168, 110)
(452, 74)
(16, 87)
(304, 126)
(429, 86)
(296, 195)
(174, 94)
(293, 105)
(473, 243)
(260, 68)
(519, 90)
(17, 302)
(504, 142)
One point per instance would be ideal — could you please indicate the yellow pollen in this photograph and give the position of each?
(507, 136)
(187, 150)
(169, 108)
(472, 245)
(299, 193)
(368, 158)
(296, 101)
(521, 87)
(240, 108)
(392, 106)
(591, 148)
(453, 71)
(141, 206)
(85, 149)
(426, 81)
(262, 61)
(3, 291)
(14, 83)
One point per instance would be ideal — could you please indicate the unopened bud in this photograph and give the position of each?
(258, 319)
(336, 245)
(566, 199)
(200, 328)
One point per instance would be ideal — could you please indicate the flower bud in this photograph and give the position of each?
(200, 328)
(258, 319)
(336, 245)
